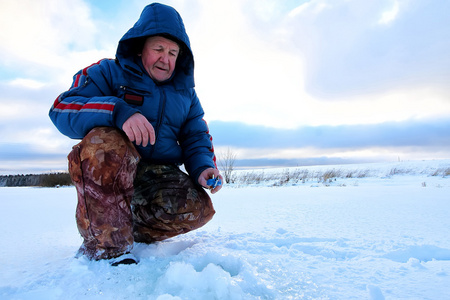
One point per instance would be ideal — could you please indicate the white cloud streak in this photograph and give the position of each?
(279, 64)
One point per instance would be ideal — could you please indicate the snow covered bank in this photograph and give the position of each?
(333, 174)
(378, 239)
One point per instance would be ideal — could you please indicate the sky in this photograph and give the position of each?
(282, 83)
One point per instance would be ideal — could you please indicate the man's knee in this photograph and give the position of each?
(167, 203)
(101, 153)
(105, 140)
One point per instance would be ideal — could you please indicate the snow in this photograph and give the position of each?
(383, 236)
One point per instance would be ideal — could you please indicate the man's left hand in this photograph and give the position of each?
(207, 174)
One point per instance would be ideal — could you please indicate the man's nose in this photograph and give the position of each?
(164, 58)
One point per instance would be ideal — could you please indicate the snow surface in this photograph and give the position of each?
(378, 237)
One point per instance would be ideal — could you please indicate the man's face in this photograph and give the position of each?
(159, 56)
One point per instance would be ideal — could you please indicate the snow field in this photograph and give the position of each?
(379, 238)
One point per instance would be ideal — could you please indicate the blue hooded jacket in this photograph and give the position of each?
(110, 91)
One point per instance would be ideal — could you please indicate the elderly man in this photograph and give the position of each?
(139, 119)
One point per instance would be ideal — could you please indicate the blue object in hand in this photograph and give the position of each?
(213, 182)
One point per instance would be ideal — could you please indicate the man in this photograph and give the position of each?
(139, 118)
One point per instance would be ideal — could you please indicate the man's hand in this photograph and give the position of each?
(139, 130)
(207, 174)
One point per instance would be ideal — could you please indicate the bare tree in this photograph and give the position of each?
(226, 162)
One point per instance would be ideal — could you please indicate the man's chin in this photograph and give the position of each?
(160, 78)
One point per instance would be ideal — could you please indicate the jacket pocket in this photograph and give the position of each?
(133, 96)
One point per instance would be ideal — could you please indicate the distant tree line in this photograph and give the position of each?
(43, 180)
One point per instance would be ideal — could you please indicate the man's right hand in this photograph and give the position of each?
(139, 130)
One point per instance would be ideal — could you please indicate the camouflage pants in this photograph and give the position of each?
(122, 199)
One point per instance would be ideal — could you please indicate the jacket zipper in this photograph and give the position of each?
(160, 119)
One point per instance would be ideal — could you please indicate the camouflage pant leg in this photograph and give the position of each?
(167, 203)
(102, 167)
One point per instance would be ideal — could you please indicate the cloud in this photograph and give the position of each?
(40, 32)
(49, 40)
(291, 162)
(236, 68)
(358, 47)
(26, 131)
(390, 15)
(272, 64)
(430, 133)
(293, 79)
(265, 146)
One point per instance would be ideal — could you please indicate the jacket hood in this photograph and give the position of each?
(159, 19)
